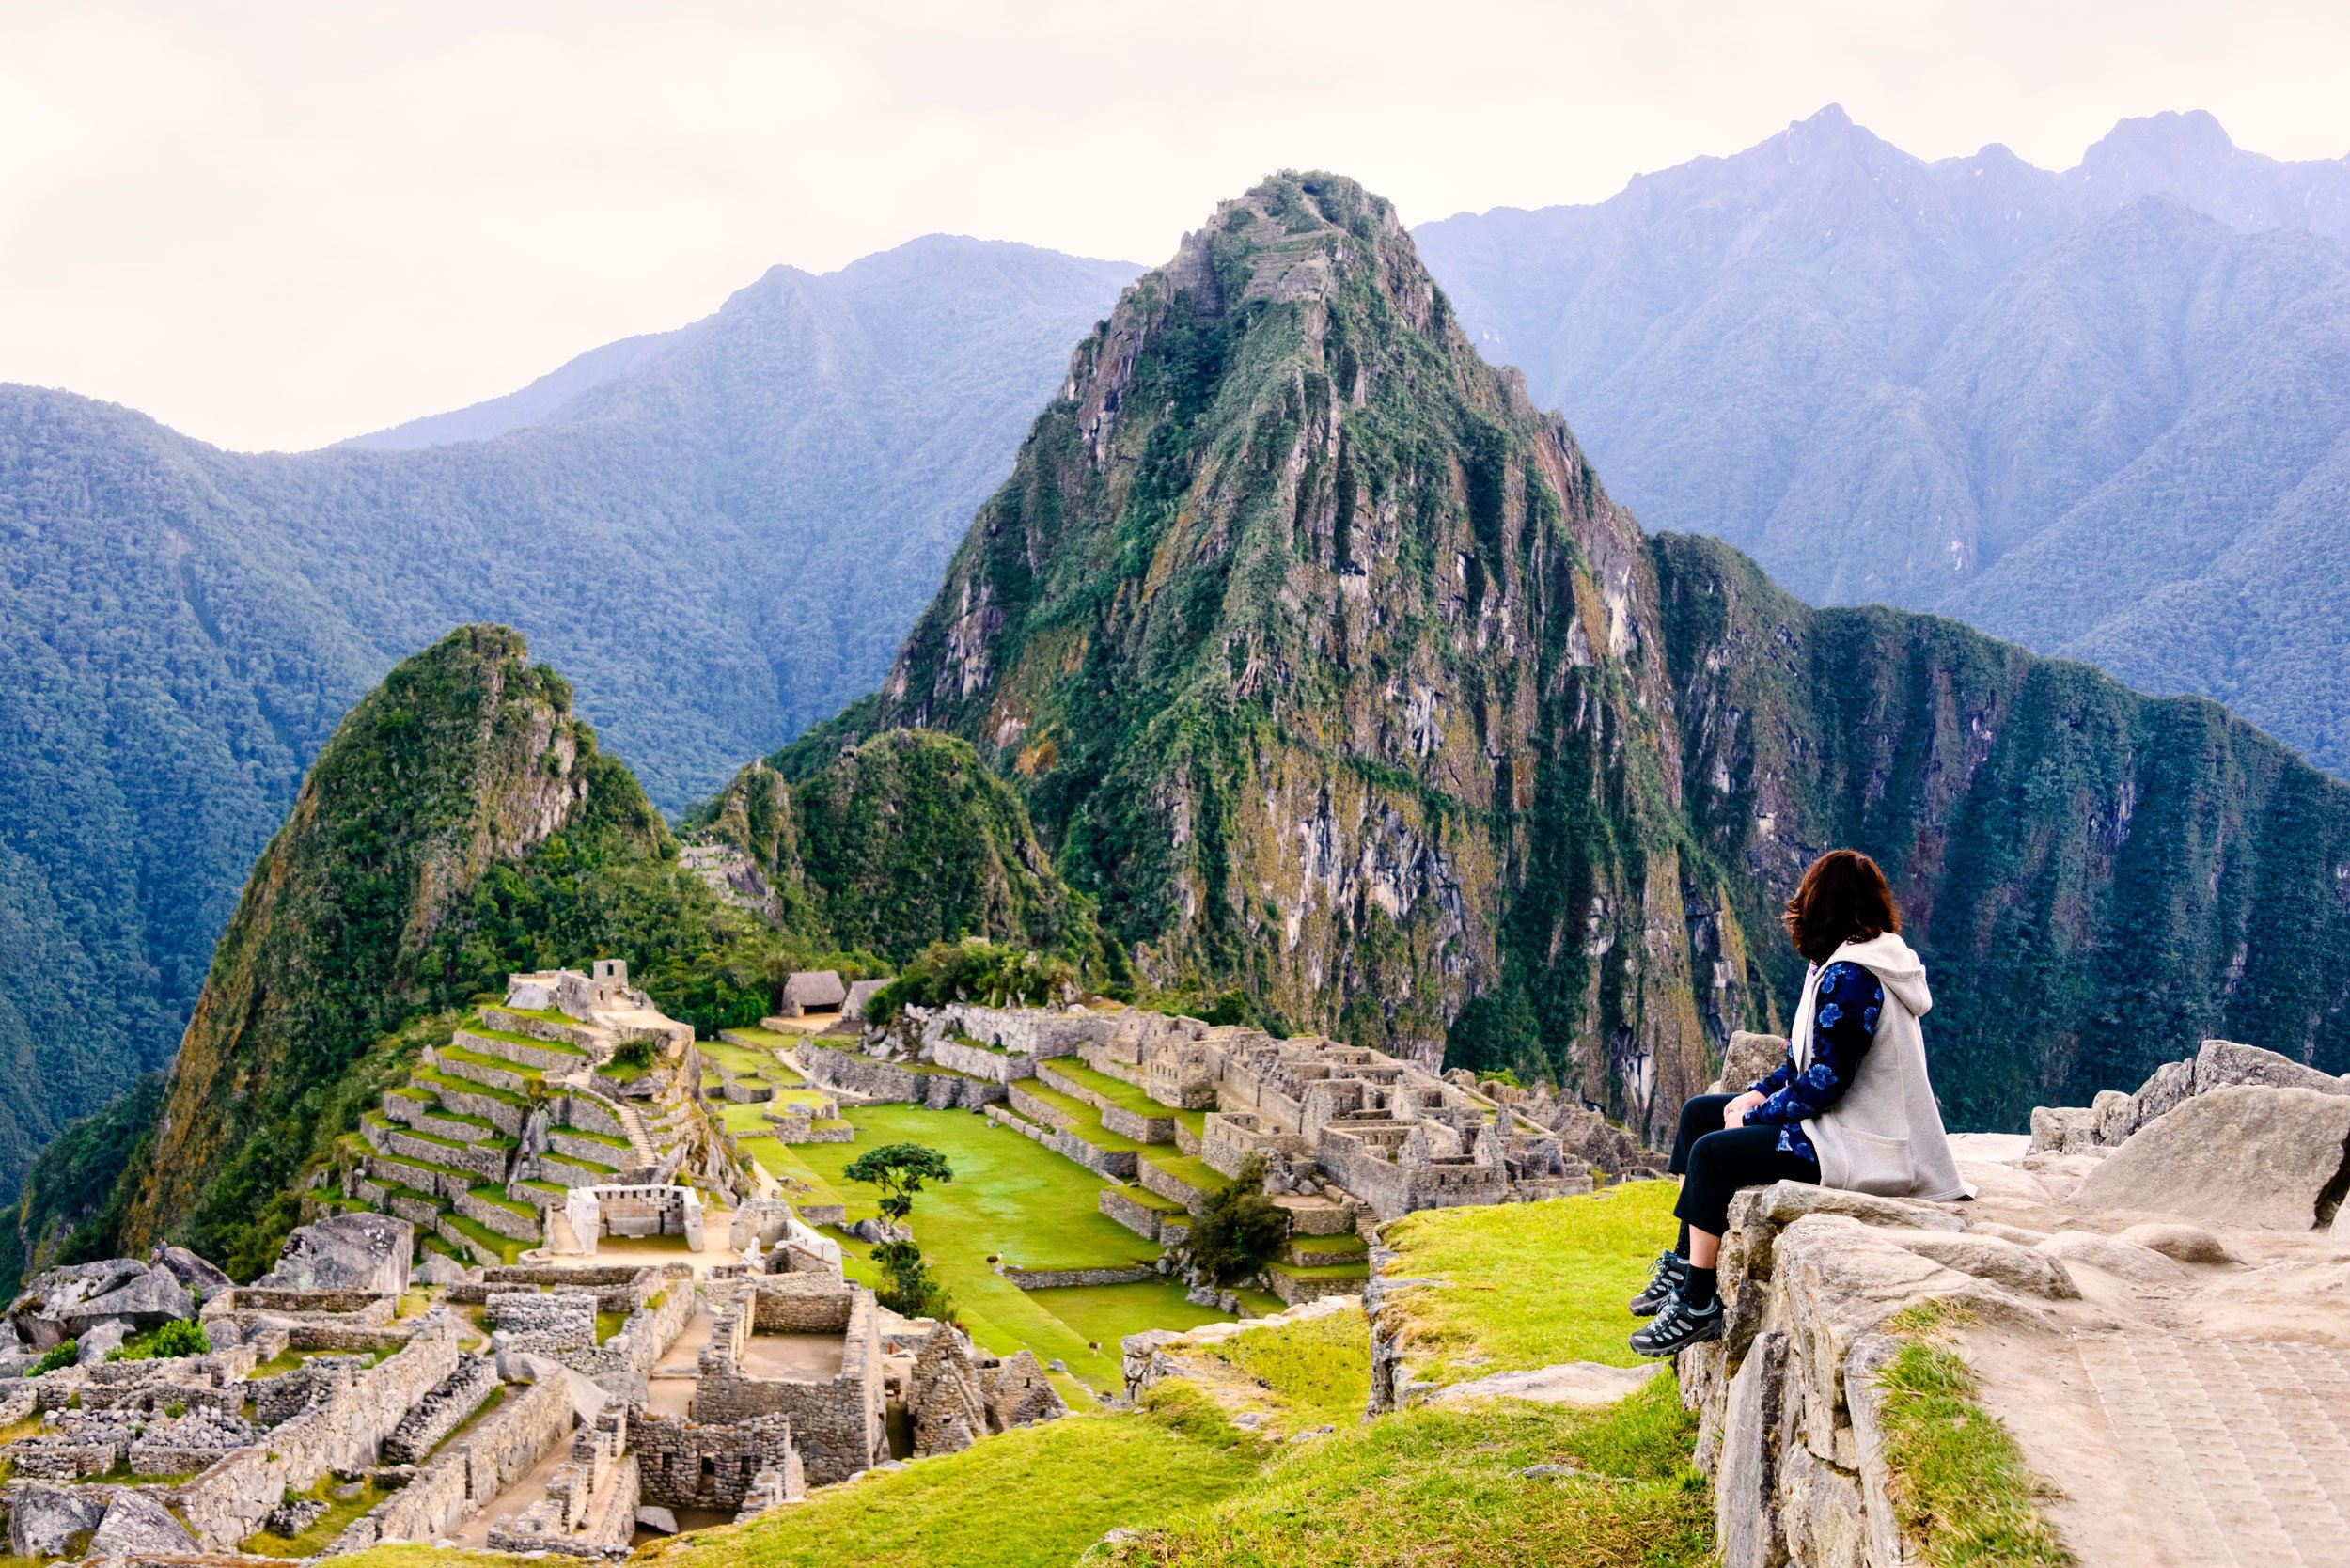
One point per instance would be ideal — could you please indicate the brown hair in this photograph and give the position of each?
(1843, 899)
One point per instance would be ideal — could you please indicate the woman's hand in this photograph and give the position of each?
(1734, 1113)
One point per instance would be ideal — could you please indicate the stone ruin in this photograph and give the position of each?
(1357, 1125)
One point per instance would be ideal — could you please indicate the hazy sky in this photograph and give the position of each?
(278, 224)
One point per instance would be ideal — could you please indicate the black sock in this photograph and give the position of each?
(1681, 1249)
(1697, 1291)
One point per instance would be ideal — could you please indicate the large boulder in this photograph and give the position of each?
(40, 1312)
(1751, 1057)
(100, 1342)
(191, 1270)
(146, 1300)
(345, 1252)
(2238, 1154)
(2221, 1062)
(43, 1520)
(139, 1524)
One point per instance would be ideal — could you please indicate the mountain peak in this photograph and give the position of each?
(2161, 148)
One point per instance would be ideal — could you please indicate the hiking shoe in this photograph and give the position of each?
(1671, 1269)
(1678, 1327)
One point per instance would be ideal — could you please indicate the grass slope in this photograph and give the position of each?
(1035, 1497)
(1442, 1486)
(1529, 1284)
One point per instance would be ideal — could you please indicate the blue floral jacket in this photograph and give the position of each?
(1842, 1025)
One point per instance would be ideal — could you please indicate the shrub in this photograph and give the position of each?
(56, 1356)
(912, 1291)
(1239, 1230)
(174, 1339)
(634, 1053)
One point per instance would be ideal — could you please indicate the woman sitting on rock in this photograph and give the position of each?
(1850, 1108)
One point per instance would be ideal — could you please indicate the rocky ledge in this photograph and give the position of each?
(2162, 1323)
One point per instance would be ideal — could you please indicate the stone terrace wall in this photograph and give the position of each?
(1065, 1279)
(830, 1068)
(343, 1431)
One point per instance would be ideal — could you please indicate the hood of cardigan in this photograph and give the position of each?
(1893, 961)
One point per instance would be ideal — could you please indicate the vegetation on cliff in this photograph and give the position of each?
(901, 842)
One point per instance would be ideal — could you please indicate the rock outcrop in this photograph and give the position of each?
(2156, 1320)
(360, 1252)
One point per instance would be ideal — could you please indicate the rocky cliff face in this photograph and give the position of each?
(464, 757)
(1322, 659)
(2097, 879)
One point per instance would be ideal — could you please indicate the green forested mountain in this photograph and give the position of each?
(2099, 412)
(720, 534)
(461, 825)
(1329, 667)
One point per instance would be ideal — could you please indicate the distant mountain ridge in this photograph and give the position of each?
(2098, 412)
(718, 544)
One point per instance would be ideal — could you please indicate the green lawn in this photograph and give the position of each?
(767, 1039)
(1034, 1498)
(1188, 1169)
(1021, 1201)
(1311, 1373)
(1124, 1095)
(1530, 1284)
(785, 1164)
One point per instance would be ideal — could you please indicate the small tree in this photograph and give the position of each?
(1239, 1230)
(899, 1169)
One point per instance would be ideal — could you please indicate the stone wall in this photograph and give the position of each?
(684, 1464)
(1066, 1278)
(837, 1422)
(542, 1321)
(442, 1411)
(1135, 1215)
(802, 1304)
(1173, 1188)
(620, 1363)
(342, 1430)
(1001, 1067)
(1788, 1399)
(1124, 1163)
(1227, 1138)
(828, 1067)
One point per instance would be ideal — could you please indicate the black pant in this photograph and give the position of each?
(1716, 1161)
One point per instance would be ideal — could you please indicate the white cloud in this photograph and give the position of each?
(279, 224)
